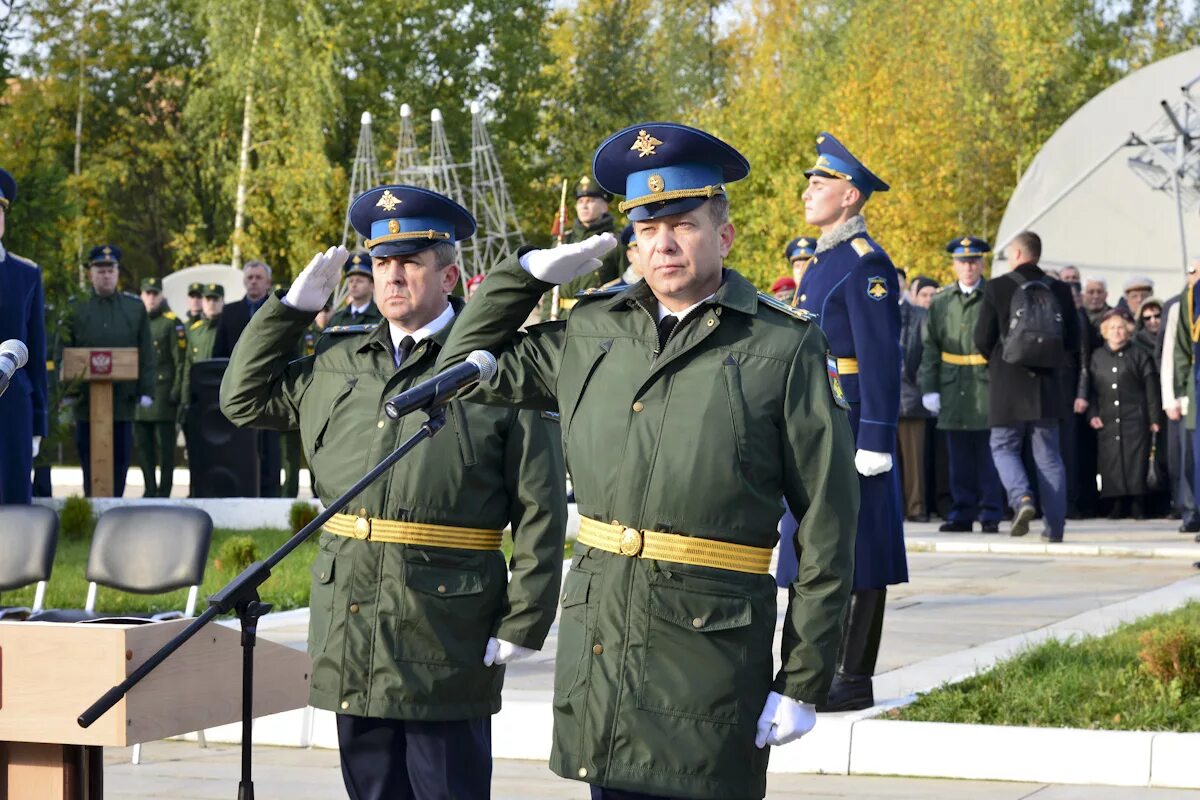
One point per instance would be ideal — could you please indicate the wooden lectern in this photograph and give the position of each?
(100, 367)
(51, 672)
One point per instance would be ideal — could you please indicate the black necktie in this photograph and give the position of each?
(406, 346)
(355, 314)
(665, 326)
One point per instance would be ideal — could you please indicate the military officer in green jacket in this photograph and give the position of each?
(154, 425)
(954, 384)
(414, 611)
(360, 308)
(201, 335)
(195, 300)
(591, 218)
(691, 405)
(109, 318)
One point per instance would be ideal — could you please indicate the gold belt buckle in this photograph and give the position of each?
(631, 542)
(362, 528)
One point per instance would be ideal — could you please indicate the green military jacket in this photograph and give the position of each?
(1184, 353)
(201, 336)
(399, 631)
(369, 317)
(169, 336)
(118, 320)
(950, 329)
(662, 668)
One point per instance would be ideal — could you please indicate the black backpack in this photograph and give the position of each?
(1035, 327)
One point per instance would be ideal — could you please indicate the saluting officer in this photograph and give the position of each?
(110, 318)
(799, 253)
(851, 285)
(591, 218)
(954, 386)
(413, 610)
(23, 405)
(360, 287)
(154, 425)
(691, 404)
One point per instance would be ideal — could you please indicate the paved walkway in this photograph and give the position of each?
(182, 771)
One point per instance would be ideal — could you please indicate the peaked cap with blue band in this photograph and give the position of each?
(359, 263)
(835, 161)
(628, 236)
(664, 168)
(398, 220)
(801, 247)
(104, 254)
(968, 247)
(8, 188)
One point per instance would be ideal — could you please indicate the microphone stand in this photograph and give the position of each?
(241, 596)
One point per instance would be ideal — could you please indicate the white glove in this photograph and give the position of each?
(783, 720)
(145, 401)
(566, 262)
(500, 652)
(869, 463)
(932, 402)
(316, 282)
(37, 445)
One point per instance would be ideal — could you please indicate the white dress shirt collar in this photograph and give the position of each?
(423, 332)
(682, 315)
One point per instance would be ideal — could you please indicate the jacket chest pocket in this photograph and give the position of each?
(318, 441)
(732, 375)
(597, 357)
(462, 427)
(696, 654)
(448, 615)
(575, 634)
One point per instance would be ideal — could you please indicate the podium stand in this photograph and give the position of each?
(100, 367)
(49, 671)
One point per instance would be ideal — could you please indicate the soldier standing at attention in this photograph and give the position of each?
(154, 426)
(360, 286)
(23, 405)
(195, 302)
(954, 386)
(413, 608)
(591, 218)
(691, 404)
(109, 318)
(851, 285)
(799, 253)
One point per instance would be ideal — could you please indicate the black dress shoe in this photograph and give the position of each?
(1051, 539)
(1189, 526)
(989, 527)
(955, 527)
(849, 693)
(918, 518)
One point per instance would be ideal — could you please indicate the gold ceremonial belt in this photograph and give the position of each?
(387, 530)
(567, 302)
(674, 547)
(847, 366)
(973, 360)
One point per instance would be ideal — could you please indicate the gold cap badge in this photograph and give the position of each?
(393, 226)
(656, 183)
(388, 201)
(645, 144)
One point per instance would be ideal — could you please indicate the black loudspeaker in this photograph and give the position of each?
(222, 457)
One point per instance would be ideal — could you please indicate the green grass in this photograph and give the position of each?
(287, 587)
(1094, 683)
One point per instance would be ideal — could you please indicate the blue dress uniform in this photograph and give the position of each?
(852, 287)
(23, 404)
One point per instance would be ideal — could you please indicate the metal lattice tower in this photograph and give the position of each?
(364, 174)
(406, 169)
(499, 232)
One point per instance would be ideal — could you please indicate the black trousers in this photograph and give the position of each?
(391, 759)
(600, 793)
(122, 450)
(269, 463)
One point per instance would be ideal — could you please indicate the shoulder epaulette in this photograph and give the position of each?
(338, 329)
(603, 291)
(941, 289)
(862, 247)
(170, 315)
(131, 296)
(197, 324)
(795, 313)
(24, 260)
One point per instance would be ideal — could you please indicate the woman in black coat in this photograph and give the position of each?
(1124, 408)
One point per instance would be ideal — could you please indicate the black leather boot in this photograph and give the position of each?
(852, 689)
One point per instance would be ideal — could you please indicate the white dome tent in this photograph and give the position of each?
(1101, 193)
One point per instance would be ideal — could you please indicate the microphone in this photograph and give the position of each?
(14, 354)
(441, 388)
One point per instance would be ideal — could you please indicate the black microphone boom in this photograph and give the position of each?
(442, 388)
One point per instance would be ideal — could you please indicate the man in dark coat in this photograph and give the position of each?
(914, 417)
(1024, 402)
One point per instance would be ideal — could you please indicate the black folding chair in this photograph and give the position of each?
(28, 539)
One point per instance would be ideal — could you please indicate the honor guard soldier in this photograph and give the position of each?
(23, 404)
(851, 285)
(591, 218)
(110, 318)
(691, 404)
(195, 295)
(413, 607)
(954, 386)
(799, 253)
(154, 425)
(360, 287)
(201, 336)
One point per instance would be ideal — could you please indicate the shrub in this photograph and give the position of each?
(300, 514)
(76, 520)
(236, 553)
(1171, 656)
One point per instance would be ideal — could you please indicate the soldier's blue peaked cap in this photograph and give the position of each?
(968, 247)
(104, 254)
(359, 263)
(800, 247)
(8, 188)
(397, 220)
(628, 235)
(664, 168)
(835, 161)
